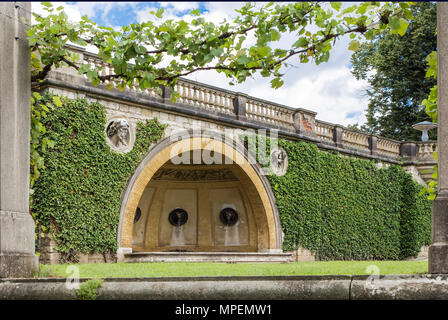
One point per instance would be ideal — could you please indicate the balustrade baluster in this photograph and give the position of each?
(210, 101)
(189, 93)
(195, 96)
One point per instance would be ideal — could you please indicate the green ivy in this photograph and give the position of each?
(346, 208)
(88, 290)
(77, 196)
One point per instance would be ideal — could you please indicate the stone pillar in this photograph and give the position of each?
(337, 136)
(166, 93)
(373, 143)
(305, 122)
(438, 251)
(409, 151)
(239, 105)
(17, 257)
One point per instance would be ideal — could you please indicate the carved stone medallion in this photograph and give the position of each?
(119, 135)
(279, 161)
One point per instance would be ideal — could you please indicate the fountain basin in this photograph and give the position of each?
(229, 257)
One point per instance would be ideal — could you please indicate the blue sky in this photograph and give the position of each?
(124, 14)
(328, 89)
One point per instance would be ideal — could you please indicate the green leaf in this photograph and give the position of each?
(435, 175)
(57, 101)
(92, 74)
(37, 95)
(195, 12)
(275, 35)
(159, 13)
(276, 83)
(263, 51)
(336, 5)
(243, 60)
(51, 143)
(353, 45)
(350, 9)
(403, 27)
(301, 42)
(83, 68)
(140, 49)
(394, 24)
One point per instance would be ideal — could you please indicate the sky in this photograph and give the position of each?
(328, 89)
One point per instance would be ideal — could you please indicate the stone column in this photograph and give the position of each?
(239, 105)
(17, 257)
(166, 93)
(373, 144)
(409, 151)
(337, 136)
(305, 122)
(438, 251)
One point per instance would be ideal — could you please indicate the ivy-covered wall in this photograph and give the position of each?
(347, 208)
(340, 208)
(77, 196)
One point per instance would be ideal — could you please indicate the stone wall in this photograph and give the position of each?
(49, 255)
(302, 255)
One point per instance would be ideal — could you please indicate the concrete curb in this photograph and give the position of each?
(387, 287)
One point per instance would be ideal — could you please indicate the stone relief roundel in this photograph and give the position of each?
(279, 161)
(119, 135)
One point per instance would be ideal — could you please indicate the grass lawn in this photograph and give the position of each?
(183, 269)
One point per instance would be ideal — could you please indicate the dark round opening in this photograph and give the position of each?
(138, 214)
(228, 216)
(178, 217)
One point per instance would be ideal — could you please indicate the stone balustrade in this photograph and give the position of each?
(426, 150)
(205, 97)
(296, 122)
(324, 131)
(355, 140)
(388, 147)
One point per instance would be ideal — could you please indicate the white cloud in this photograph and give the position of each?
(180, 6)
(333, 95)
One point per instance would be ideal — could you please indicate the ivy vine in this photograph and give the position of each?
(77, 197)
(346, 208)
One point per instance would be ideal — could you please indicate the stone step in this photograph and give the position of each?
(231, 257)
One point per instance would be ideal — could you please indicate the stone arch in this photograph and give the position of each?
(162, 152)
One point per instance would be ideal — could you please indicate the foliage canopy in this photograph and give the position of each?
(158, 53)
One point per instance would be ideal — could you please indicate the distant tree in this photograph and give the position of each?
(395, 69)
